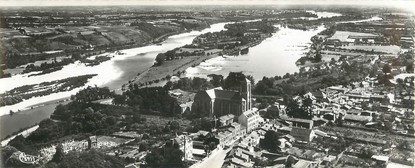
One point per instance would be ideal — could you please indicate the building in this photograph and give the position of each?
(301, 134)
(92, 142)
(226, 120)
(185, 145)
(184, 99)
(250, 120)
(381, 160)
(298, 122)
(357, 118)
(219, 102)
(305, 164)
(239, 157)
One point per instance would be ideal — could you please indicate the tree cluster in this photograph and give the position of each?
(156, 99)
(90, 158)
(270, 141)
(91, 94)
(168, 156)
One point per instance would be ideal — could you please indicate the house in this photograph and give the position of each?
(357, 118)
(238, 130)
(298, 122)
(238, 157)
(226, 120)
(305, 164)
(283, 160)
(284, 129)
(250, 120)
(338, 89)
(185, 145)
(184, 99)
(381, 160)
(92, 142)
(301, 134)
(330, 116)
(377, 98)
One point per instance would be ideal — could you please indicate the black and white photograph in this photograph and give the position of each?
(207, 83)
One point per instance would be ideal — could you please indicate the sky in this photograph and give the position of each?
(403, 4)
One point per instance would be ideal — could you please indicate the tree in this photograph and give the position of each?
(217, 80)
(168, 156)
(59, 154)
(258, 161)
(143, 147)
(270, 141)
(296, 111)
(318, 57)
(233, 80)
(118, 100)
(410, 68)
(251, 78)
(76, 56)
(160, 59)
(91, 159)
(386, 68)
(366, 153)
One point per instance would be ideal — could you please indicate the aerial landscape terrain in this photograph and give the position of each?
(207, 86)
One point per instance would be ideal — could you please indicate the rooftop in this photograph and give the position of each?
(250, 113)
(182, 96)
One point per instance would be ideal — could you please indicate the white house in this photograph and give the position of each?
(250, 120)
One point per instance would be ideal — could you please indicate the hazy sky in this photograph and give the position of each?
(405, 4)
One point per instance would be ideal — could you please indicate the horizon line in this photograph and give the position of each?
(407, 5)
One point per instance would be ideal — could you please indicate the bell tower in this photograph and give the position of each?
(245, 91)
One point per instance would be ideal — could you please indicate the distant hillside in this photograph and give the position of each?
(31, 44)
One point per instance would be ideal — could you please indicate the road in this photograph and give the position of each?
(214, 161)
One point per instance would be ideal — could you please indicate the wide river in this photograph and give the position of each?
(274, 56)
(113, 73)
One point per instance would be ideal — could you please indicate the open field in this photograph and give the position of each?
(170, 68)
(391, 49)
(343, 35)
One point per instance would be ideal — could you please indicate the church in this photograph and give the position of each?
(218, 102)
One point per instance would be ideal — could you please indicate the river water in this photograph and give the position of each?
(112, 74)
(274, 56)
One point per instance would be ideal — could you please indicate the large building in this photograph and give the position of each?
(250, 120)
(218, 102)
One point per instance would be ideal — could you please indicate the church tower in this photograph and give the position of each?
(245, 91)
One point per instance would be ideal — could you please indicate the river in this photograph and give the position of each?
(274, 56)
(112, 74)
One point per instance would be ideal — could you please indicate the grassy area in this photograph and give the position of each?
(343, 35)
(391, 49)
(170, 68)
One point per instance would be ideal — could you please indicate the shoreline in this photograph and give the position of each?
(12, 124)
(43, 109)
(25, 133)
(71, 70)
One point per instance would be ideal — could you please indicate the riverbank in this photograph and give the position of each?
(12, 124)
(112, 74)
(156, 74)
(24, 133)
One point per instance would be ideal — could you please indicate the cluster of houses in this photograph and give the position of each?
(240, 127)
